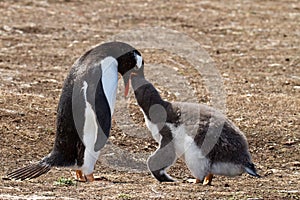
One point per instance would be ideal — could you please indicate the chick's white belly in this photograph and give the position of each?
(186, 147)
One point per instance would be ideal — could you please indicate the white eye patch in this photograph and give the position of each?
(139, 60)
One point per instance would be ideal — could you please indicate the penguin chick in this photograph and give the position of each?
(207, 141)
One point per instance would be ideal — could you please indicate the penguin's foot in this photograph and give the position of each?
(84, 178)
(90, 177)
(80, 177)
(208, 179)
(193, 180)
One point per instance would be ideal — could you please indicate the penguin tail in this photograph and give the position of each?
(29, 172)
(250, 169)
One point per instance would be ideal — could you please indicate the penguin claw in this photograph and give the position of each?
(208, 179)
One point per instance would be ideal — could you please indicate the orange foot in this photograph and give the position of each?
(208, 179)
(80, 177)
(86, 178)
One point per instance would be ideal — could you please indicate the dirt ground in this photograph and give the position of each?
(255, 46)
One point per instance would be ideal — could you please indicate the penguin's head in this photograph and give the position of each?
(128, 62)
(129, 59)
(138, 64)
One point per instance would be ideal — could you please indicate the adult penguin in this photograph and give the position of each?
(85, 110)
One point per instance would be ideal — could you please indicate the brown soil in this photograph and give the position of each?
(255, 46)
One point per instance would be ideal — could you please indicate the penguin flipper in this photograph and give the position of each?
(29, 172)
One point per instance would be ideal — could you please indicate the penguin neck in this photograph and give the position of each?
(146, 94)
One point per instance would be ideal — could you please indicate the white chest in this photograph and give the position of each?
(90, 129)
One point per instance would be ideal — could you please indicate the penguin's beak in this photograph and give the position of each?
(126, 79)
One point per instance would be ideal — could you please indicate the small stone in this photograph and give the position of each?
(271, 147)
(296, 164)
(290, 142)
(296, 87)
(7, 28)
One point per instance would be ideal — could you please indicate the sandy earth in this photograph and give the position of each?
(255, 48)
